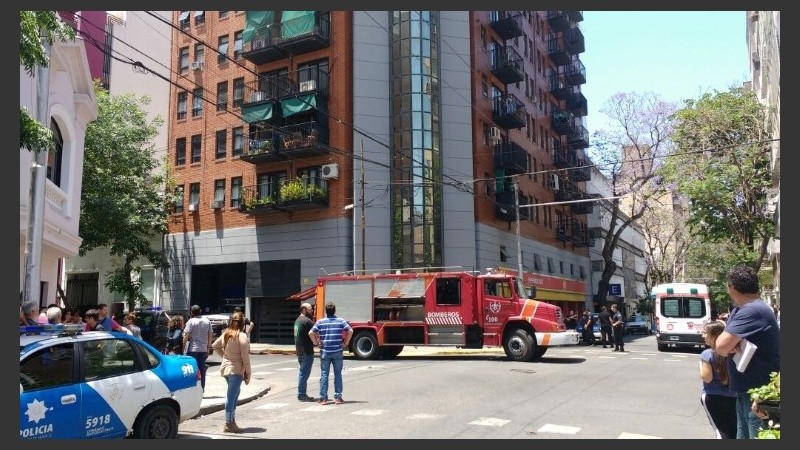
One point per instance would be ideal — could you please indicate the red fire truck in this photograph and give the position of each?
(442, 308)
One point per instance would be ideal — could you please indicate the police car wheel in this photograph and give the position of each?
(158, 422)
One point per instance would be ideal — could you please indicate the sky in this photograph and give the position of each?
(676, 54)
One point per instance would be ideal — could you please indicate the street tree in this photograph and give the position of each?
(721, 164)
(125, 201)
(666, 238)
(629, 154)
(36, 26)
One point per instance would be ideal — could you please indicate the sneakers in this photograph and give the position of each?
(338, 401)
(324, 401)
(306, 398)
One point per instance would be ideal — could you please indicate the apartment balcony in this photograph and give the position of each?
(575, 73)
(563, 156)
(303, 140)
(575, 16)
(581, 171)
(559, 86)
(579, 236)
(558, 20)
(574, 40)
(561, 232)
(576, 103)
(579, 137)
(507, 64)
(563, 122)
(510, 157)
(566, 191)
(505, 206)
(297, 32)
(261, 147)
(508, 24)
(508, 112)
(557, 49)
(582, 208)
(293, 195)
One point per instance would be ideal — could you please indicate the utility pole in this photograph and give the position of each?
(363, 216)
(519, 238)
(33, 237)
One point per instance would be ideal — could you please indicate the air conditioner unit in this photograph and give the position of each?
(309, 85)
(258, 96)
(554, 181)
(330, 171)
(494, 135)
(217, 204)
(192, 207)
(197, 65)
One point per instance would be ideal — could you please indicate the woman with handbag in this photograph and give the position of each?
(233, 345)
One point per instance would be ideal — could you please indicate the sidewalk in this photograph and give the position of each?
(217, 388)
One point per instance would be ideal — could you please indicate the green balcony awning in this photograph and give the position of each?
(257, 113)
(254, 23)
(298, 104)
(295, 23)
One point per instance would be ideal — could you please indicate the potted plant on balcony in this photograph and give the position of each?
(293, 191)
(315, 192)
(262, 146)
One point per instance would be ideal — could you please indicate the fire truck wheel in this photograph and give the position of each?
(391, 351)
(365, 345)
(520, 345)
(540, 351)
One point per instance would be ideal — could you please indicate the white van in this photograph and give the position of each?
(680, 310)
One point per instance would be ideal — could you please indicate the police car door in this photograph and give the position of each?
(115, 388)
(50, 399)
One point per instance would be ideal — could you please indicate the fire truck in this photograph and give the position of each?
(449, 307)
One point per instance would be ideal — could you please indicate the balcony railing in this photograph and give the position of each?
(507, 64)
(579, 137)
(289, 37)
(293, 195)
(275, 87)
(508, 24)
(558, 20)
(301, 140)
(563, 156)
(508, 111)
(579, 236)
(563, 122)
(559, 86)
(557, 49)
(561, 231)
(582, 208)
(566, 191)
(575, 16)
(576, 103)
(574, 40)
(576, 73)
(505, 206)
(581, 172)
(510, 157)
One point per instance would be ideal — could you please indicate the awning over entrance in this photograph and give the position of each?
(294, 105)
(547, 294)
(303, 295)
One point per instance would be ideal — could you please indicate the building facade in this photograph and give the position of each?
(763, 44)
(71, 106)
(314, 142)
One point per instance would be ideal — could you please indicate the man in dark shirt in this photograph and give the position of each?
(305, 350)
(605, 326)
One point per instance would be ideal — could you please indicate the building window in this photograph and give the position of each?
(550, 264)
(312, 176)
(182, 99)
(180, 151)
(581, 272)
(269, 185)
(179, 194)
(238, 92)
(223, 14)
(183, 20)
(199, 17)
(572, 269)
(197, 102)
(236, 191)
(484, 88)
(237, 139)
(316, 71)
(222, 48)
(197, 147)
(183, 60)
(194, 194)
(222, 96)
(222, 144)
(237, 45)
(561, 267)
(199, 53)
(503, 254)
(537, 262)
(219, 190)
(55, 156)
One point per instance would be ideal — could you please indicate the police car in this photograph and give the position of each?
(98, 384)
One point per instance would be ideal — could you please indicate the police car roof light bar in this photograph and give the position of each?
(60, 328)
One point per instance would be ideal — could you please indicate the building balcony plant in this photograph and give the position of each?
(296, 194)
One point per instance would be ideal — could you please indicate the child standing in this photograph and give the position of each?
(717, 400)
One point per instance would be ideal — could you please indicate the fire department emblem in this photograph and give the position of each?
(494, 307)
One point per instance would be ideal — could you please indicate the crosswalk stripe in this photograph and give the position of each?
(635, 436)
(559, 429)
(489, 422)
(271, 406)
(369, 412)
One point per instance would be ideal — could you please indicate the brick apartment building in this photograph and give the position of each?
(313, 142)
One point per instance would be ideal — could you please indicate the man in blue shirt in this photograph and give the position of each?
(752, 319)
(332, 334)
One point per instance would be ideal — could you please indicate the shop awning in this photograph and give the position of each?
(295, 23)
(549, 294)
(257, 113)
(255, 22)
(303, 295)
(298, 104)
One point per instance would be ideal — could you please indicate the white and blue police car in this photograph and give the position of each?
(98, 384)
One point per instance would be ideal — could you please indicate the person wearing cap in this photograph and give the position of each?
(305, 350)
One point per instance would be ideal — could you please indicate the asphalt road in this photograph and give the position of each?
(573, 393)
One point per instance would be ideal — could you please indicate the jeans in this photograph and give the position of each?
(201, 358)
(306, 361)
(337, 358)
(234, 387)
(747, 423)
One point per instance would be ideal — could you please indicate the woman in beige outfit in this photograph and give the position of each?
(234, 347)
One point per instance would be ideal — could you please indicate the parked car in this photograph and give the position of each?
(154, 323)
(100, 384)
(219, 320)
(637, 323)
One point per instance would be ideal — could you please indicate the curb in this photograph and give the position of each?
(208, 409)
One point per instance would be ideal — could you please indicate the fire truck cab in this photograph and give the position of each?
(446, 308)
